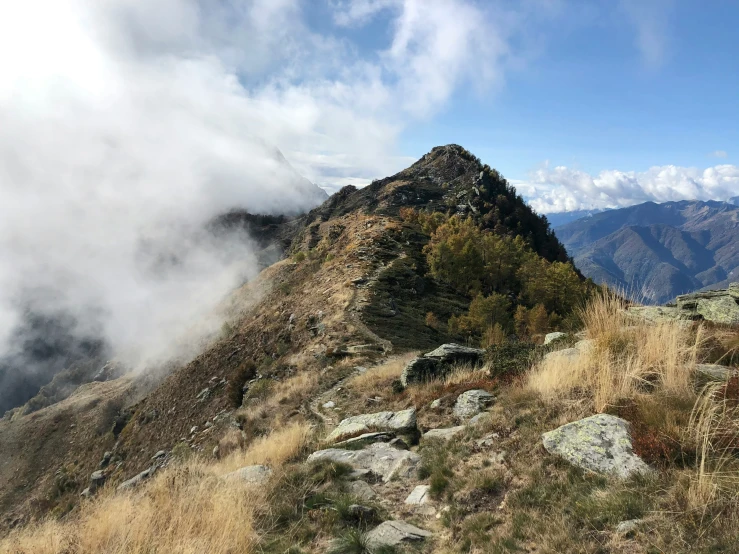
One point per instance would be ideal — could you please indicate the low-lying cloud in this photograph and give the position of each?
(560, 189)
(126, 126)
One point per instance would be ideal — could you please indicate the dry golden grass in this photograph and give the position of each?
(622, 358)
(459, 379)
(187, 509)
(382, 374)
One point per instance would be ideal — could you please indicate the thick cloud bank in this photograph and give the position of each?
(125, 126)
(560, 189)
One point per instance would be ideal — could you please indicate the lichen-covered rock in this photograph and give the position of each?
(471, 403)
(395, 533)
(401, 423)
(253, 475)
(599, 443)
(379, 459)
(723, 309)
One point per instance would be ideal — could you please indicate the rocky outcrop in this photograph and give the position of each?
(439, 362)
(379, 459)
(395, 533)
(471, 403)
(400, 423)
(717, 306)
(599, 443)
(551, 337)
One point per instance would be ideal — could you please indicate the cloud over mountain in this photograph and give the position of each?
(560, 188)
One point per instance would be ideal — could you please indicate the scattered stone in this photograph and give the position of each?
(436, 404)
(471, 403)
(380, 459)
(135, 481)
(203, 395)
(87, 493)
(628, 528)
(362, 490)
(488, 440)
(420, 495)
(443, 434)
(599, 443)
(358, 512)
(193, 429)
(395, 533)
(498, 457)
(106, 460)
(330, 404)
(402, 423)
(253, 475)
(159, 454)
(715, 372)
(551, 337)
(97, 480)
(208, 424)
(216, 451)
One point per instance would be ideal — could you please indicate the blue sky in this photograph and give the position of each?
(593, 100)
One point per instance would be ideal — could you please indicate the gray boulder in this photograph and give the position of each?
(361, 490)
(401, 423)
(659, 314)
(471, 403)
(443, 434)
(253, 475)
(395, 533)
(135, 481)
(379, 459)
(599, 443)
(456, 354)
(439, 362)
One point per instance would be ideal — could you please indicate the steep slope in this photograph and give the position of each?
(657, 251)
(356, 287)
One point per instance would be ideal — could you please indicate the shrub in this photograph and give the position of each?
(235, 386)
(510, 358)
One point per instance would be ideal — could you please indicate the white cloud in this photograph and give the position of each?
(719, 154)
(126, 125)
(560, 188)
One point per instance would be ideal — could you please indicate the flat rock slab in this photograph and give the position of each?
(379, 458)
(254, 475)
(395, 533)
(444, 434)
(403, 422)
(456, 354)
(657, 314)
(419, 496)
(599, 443)
(421, 370)
(471, 403)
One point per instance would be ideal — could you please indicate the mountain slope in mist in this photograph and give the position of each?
(658, 251)
(354, 287)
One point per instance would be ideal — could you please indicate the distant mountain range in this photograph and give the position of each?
(657, 251)
(562, 218)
